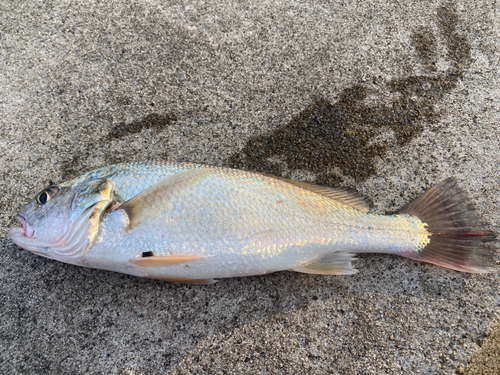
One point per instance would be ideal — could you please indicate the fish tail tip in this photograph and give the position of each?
(457, 236)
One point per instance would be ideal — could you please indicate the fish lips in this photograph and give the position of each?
(28, 230)
(23, 237)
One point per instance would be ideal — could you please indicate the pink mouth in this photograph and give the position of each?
(28, 230)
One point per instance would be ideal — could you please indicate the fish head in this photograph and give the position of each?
(61, 221)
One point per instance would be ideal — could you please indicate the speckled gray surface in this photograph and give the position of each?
(386, 97)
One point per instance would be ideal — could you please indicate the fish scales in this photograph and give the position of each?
(233, 213)
(182, 221)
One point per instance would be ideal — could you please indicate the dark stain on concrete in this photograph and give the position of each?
(425, 44)
(74, 167)
(153, 121)
(337, 139)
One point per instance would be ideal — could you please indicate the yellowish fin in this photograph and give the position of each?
(160, 261)
(343, 195)
(185, 281)
(155, 200)
(331, 264)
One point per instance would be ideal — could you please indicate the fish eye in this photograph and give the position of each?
(47, 194)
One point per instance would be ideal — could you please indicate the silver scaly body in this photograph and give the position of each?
(188, 222)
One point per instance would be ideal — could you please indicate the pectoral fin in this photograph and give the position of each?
(158, 198)
(331, 264)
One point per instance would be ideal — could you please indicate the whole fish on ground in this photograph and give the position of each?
(193, 223)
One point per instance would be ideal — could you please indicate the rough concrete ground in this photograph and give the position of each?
(386, 97)
(486, 360)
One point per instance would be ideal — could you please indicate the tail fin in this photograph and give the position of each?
(456, 238)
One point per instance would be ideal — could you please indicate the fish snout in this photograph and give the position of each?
(25, 237)
(28, 229)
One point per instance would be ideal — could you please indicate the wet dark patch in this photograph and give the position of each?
(74, 166)
(338, 139)
(153, 121)
(424, 42)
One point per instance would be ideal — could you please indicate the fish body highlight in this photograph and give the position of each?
(194, 223)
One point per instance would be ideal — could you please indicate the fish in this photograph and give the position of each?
(194, 223)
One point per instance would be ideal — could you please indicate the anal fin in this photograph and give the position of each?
(330, 264)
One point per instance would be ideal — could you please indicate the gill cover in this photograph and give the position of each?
(87, 210)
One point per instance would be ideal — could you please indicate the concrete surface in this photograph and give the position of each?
(387, 97)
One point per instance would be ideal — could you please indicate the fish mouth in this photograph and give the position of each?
(23, 236)
(28, 230)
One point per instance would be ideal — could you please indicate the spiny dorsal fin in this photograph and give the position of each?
(154, 200)
(344, 195)
(330, 264)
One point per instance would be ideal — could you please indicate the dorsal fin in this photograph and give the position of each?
(154, 200)
(344, 195)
